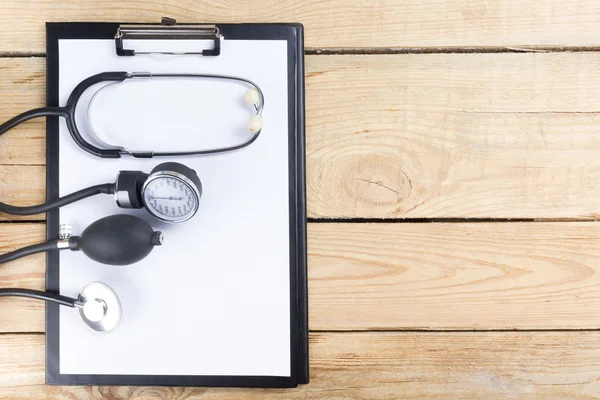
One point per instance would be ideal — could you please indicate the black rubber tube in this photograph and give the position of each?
(68, 113)
(35, 113)
(107, 188)
(25, 251)
(39, 295)
(72, 105)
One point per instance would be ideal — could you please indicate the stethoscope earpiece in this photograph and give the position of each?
(255, 123)
(254, 98)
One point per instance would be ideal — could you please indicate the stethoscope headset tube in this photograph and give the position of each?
(68, 112)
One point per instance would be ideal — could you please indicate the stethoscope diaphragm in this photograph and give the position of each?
(99, 307)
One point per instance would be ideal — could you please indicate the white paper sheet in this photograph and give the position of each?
(214, 299)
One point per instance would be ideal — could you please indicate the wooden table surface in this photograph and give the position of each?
(453, 176)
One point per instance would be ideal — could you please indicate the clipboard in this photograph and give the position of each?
(215, 41)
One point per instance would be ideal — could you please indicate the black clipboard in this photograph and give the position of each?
(293, 34)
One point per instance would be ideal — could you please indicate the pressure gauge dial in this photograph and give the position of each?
(171, 192)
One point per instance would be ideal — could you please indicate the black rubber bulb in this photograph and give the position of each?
(117, 240)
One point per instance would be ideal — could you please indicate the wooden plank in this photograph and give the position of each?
(23, 86)
(21, 360)
(22, 186)
(334, 23)
(412, 276)
(18, 314)
(418, 136)
(438, 136)
(372, 365)
(454, 276)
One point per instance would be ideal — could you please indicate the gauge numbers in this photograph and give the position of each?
(170, 199)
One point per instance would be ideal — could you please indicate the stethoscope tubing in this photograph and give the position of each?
(39, 295)
(31, 114)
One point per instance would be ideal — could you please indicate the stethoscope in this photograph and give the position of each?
(254, 97)
(170, 192)
(98, 305)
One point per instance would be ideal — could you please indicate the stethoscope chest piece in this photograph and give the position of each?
(99, 307)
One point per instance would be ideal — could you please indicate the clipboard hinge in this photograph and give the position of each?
(168, 30)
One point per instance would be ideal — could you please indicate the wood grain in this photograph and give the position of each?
(22, 87)
(391, 136)
(437, 136)
(334, 23)
(410, 276)
(22, 186)
(454, 276)
(466, 365)
(417, 136)
(18, 314)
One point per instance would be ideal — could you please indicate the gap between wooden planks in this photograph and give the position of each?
(409, 136)
(334, 23)
(484, 276)
(469, 365)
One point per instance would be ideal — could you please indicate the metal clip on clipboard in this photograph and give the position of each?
(168, 29)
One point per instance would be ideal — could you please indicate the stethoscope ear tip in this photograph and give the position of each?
(252, 97)
(99, 307)
(255, 124)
